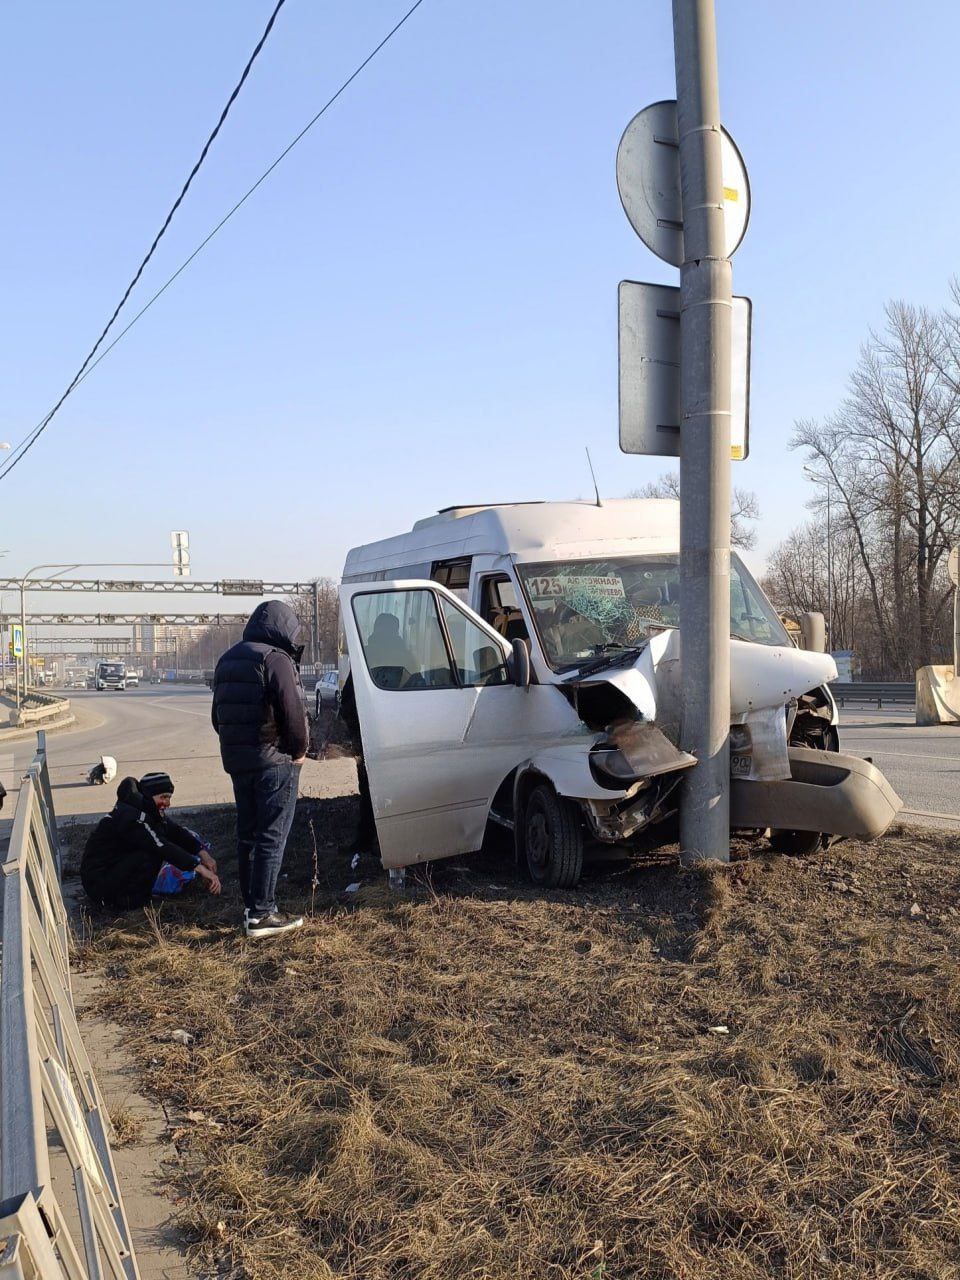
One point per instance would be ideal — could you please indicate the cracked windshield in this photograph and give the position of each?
(585, 607)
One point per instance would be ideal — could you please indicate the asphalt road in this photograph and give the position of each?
(923, 764)
(154, 727)
(169, 727)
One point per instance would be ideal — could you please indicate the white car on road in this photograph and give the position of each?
(327, 692)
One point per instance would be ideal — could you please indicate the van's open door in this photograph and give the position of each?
(423, 664)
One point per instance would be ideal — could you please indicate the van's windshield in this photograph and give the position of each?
(585, 607)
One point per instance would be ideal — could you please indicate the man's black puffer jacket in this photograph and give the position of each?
(129, 846)
(258, 705)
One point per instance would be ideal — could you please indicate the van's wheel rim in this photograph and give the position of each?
(538, 841)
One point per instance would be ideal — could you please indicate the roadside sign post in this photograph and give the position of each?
(649, 340)
(16, 652)
(180, 542)
(684, 383)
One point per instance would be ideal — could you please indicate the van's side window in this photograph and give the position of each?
(454, 575)
(402, 640)
(477, 658)
(499, 607)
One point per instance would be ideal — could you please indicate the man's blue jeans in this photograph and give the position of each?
(266, 800)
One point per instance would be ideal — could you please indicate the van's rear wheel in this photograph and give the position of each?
(796, 844)
(553, 839)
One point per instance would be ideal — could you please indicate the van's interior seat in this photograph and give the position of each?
(510, 624)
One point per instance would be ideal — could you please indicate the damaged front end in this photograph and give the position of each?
(635, 754)
(787, 774)
(633, 758)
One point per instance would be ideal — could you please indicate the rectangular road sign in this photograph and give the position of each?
(16, 640)
(180, 541)
(242, 587)
(650, 371)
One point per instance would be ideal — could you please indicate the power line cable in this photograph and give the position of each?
(10, 462)
(30, 440)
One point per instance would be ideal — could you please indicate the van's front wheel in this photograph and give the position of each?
(796, 844)
(553, 839)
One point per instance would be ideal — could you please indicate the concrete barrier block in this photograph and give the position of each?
(938, 696)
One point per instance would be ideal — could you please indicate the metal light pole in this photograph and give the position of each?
(827, 484)
(705, 377)
(316, 627)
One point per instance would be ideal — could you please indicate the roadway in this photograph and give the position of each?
(153, 727)
(922, 763)
(160, 726)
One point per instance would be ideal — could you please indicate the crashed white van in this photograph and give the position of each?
(519, 664)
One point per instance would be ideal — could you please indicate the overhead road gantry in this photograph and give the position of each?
(175, 586)
(126, 619)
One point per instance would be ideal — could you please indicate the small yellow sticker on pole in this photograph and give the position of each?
(731, 193)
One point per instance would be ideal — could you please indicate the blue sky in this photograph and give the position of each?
(419, 307)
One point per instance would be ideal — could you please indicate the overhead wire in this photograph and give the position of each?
(30, 440)
(10, 462)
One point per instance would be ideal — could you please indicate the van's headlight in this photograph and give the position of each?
(611, 768)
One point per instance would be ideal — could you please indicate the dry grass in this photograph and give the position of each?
(471, 1082)
(128, 1126)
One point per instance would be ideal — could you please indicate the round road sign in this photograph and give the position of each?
(648, 178)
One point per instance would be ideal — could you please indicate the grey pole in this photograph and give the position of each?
(25, 660)
(956, 629)
(316, 625)
(829, 574)
(705, 308)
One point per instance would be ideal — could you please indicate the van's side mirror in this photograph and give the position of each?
(519, 664)
(813, 632)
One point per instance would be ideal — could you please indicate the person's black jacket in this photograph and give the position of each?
(258, 705)
(129, 846)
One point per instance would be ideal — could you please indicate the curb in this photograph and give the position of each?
(30, 730)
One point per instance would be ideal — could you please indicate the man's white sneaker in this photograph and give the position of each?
(269, 924)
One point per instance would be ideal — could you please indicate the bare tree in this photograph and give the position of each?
(892, 456)
(744, 510)
(796, 581)
(329, 617)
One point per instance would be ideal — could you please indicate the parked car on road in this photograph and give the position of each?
(327, 693)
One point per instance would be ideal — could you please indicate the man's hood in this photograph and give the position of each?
(129, 794)
(275, 623)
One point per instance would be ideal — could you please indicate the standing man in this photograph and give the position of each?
(259, 713)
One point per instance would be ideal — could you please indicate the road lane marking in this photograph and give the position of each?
(184, 711)
(928, 813)
(915, 755)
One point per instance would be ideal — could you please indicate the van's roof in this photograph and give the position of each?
(527, 531)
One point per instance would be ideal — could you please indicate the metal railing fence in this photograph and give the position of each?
(52, 1115)
(878, 691)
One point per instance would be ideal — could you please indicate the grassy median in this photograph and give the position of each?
(719, 1074)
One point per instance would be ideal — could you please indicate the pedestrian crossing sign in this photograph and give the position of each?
(16, 640)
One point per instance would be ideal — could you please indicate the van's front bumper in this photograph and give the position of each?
(837, 794)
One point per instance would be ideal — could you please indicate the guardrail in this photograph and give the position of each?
(53, 1122)
(878, 691)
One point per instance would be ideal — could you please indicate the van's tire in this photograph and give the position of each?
(796, 844)
(552, 839)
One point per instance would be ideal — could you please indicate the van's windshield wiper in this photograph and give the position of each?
(610, 654)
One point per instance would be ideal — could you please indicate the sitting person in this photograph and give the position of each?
(132, 846)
